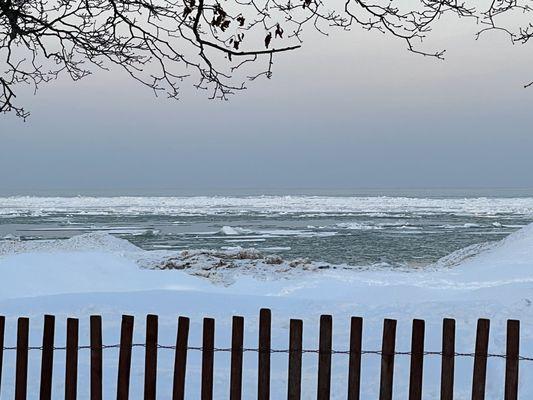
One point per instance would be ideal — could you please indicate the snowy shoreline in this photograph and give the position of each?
(80, 277)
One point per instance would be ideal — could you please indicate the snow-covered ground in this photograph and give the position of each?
(100, 274)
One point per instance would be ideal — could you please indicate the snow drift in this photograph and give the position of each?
(97, 273)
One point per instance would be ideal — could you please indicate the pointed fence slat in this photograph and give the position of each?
(264, 350)
(71, 359)
(417, 360)
(354, 363)
(21, 378)
(47, 358)
(387, 359)
(512, 353)
(263, 374)
(180, 361)
(208, 345)
(2, 336)
(480, 360)
(124, 358)
(448, 359)
(324, 358)
(237, 342)
(150, 360)
(96, 357)
(294, 389)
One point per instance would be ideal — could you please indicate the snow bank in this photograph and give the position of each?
(95, 241)
(100, 262)
(96, 273)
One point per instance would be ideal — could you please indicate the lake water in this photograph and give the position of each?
(392, 228)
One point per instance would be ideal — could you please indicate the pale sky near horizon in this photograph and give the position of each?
(352, 110)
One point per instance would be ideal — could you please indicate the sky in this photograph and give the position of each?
(352, 110)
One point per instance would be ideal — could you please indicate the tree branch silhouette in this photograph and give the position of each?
(160, 43)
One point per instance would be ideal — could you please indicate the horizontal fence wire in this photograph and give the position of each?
(275, 351)
(324, 353)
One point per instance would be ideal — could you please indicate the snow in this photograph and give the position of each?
(228, 230)
(377, 206)
(96, 273)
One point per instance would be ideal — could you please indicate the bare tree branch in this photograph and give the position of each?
(160, 43)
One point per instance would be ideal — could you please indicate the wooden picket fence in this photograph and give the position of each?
(264, 351)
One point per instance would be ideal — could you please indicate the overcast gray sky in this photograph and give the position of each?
(354, 110)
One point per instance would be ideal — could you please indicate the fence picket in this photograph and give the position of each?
(237, 341)
(417, 360)
(2, 335)
(294, 387)
(150, 361)
(208, 345)
(21, 379)
(96, 357)
(387, 359)
(71, 360)
(324, 358)
(124, 358)
(511, 367)
(47, 358)
(354, 369)
(295, 352)
(180, 361)
(263, 374)
(480, 360)
(448, 359)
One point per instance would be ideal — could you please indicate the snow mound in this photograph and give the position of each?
(466, 253)
(94, 241)
(510, 258)
(513, 252)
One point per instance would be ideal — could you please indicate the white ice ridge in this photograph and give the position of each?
(216, 205)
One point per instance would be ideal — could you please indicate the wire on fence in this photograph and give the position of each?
(274, 351)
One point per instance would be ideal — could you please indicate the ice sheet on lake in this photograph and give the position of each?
(264, 205)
